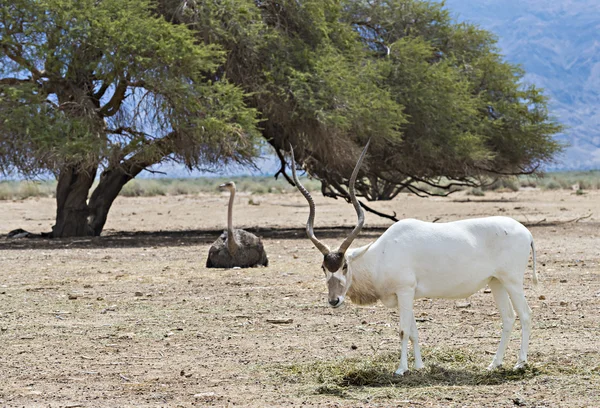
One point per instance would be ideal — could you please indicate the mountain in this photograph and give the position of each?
(558, 45)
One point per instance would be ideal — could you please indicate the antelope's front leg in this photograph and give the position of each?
(414, 337)
(407, 320)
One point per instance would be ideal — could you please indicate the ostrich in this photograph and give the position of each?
(235, 247)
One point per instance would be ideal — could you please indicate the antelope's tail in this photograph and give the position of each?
(535, 278)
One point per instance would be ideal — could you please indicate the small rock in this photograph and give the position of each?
(3, 329)
(204, 395)
(487, 290)
(563, 281)
(520, 402)
(99, 298)
(109, 309)
(463, 305)
(563, 303)
(139, 294)
(542, 297)
(280, 321)
(72, 296)
(354, 347)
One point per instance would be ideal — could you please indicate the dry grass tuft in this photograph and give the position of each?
(445, 367)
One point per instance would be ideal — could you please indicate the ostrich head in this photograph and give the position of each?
(229, 186)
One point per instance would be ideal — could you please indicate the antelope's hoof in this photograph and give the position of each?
(400, 372)
(520, 365)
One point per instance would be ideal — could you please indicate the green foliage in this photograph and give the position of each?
(108, 79)
(441, 106)
(124, 84)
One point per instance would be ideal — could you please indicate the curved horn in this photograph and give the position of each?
(311, 217)
(359, 211)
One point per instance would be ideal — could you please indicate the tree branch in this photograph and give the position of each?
(112, 107)
(383, 215)
(17, 56)
(521, 172)
(100, 93)
(15, 81)
(282, 169)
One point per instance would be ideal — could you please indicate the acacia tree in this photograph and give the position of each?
(121, 85)
(110, 86)
(442, 107)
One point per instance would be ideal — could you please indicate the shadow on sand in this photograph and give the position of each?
(435, 375)
(132, 239)
(128, 239)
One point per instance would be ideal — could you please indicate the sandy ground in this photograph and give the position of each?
(134, 319)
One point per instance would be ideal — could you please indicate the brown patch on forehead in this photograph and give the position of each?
(333, 261)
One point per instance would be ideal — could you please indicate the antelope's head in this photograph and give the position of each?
(335, 267)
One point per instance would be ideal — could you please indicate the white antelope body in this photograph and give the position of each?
(414, 259)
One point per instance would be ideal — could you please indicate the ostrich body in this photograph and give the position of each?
(235, 247)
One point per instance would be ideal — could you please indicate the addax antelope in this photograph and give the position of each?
(414, 259)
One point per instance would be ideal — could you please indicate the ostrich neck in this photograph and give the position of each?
(231, 243)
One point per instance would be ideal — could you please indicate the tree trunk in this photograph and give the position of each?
(111, 182)
(75, 217)
(74, 183)
(113, 179)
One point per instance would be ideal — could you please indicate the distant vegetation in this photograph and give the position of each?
(19, 190)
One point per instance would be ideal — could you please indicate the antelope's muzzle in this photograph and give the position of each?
(337, 302)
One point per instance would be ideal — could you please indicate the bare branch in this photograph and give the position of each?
(125, 129)
(282, 169)
(155, 172)
(17, 56)
(112, 107)
(100, 93)
(383, 215)
(520, 172)
(15, 81)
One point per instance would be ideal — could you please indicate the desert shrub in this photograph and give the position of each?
(476, 192)
(6, 191)
(552, 185)
(28, 189)
(507, 183)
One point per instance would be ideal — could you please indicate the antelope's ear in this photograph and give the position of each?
(345, 268)
(357, 253)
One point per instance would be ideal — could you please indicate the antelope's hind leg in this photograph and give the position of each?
(508, 319)
(517, 297)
